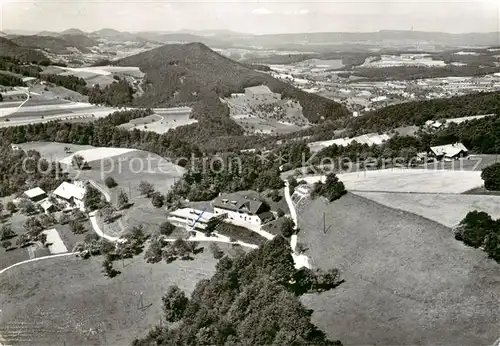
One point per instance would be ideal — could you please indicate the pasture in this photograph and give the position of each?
(408, 281)
(408, 180)
(163, 120)
(446, 209)
(70, 301)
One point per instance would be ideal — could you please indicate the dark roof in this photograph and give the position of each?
(246, 201)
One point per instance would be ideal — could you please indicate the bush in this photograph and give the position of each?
(110, 182)
(286, 227)
(157, 199)
(491, 177)
(6, 232)
(216, 251)
(280, 212)
(6, 244)
(332, 189)
(146, 188)
(166, 228)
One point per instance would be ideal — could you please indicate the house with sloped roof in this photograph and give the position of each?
(449, 151)
(71, 194)
(35, 194)
(245, 207)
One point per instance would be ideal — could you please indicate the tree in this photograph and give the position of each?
(11, 207)
(146, 188)
(79, 162)
(157, 199)
(77, 227)
(122, 199)
(332, 189)
(27, 207)
(6, 232)
(64, 219)
(107, 213)
(110, 182)
(2, 208)
(287, 227)
(174, 304)
(491, 177)
(166, 228)
(48, 220)
(216, 251)
(474, 228)
(6, 244)
(154, 252)
(280, 212)
(107, 267)
(33, 226)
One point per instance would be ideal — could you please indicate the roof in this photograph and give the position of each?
(194, 214)
(246, 201)
(449, 150)
(35, 192)
(46, 204)
(67, 190)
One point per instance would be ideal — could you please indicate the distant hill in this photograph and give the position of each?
(73, 31)
(48, 33)
(190, 38)
(56, 45)
(79, 41)
(193, 73)
(25, 54)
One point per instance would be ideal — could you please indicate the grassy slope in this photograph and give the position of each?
(68, 297)
(175, 72)
(408, 281)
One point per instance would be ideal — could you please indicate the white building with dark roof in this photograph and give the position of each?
(191, 218)
(245, 207)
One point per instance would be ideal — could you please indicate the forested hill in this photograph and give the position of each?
(193, 73)
(24, 54)
(417, 113)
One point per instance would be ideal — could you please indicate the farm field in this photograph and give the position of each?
(446, 209)
(403, 273)
(408, 180)
(102, 75)
(89, 308)
(163, 120)
(130, 168)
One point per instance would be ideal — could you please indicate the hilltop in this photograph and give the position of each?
(193, 73)
(11, 49)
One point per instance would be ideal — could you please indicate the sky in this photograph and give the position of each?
(258, 17)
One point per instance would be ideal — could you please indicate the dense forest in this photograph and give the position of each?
(417, 113)
(250, 300)
(117, 94)
(69, 82)
(22, 170)
(23, 54)
(10, 80)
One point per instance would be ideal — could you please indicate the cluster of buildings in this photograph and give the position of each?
(244, 209)
(67, 196)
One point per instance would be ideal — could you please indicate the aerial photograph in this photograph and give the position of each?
(275, 172)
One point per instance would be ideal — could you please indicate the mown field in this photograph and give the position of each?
(68, 301)
(446, 209)
(408, 180)
(408, 281)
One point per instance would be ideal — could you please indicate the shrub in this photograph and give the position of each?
(216, 251)
(157, 199)
(166, 228)
(6, 244)
(280, 212)
(110, 182)
(491, 177)
(286, 227)
(332, 189)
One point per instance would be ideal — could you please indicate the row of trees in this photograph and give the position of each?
(69, 82)
(332, 189)
(117, 94)
(251, 300)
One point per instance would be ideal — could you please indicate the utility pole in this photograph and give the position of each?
(129, 191)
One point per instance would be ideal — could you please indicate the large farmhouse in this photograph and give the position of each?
(71, 194)
(449, 151)
(35, 195)
(245, 207)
